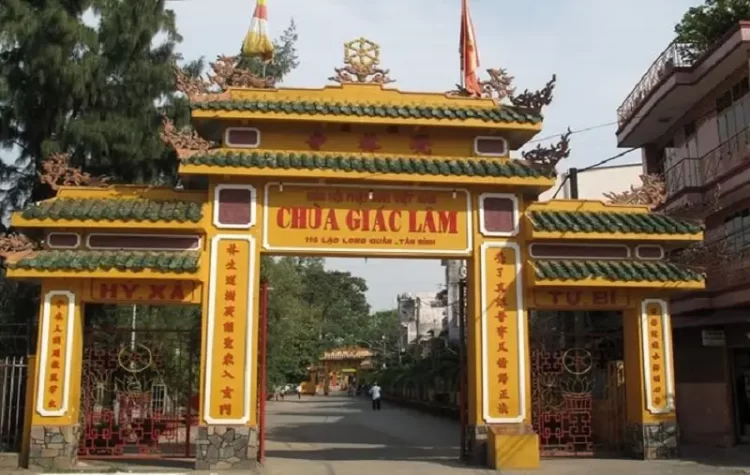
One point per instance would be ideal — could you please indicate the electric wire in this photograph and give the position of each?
(595, 165)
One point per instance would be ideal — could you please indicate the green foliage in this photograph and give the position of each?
(703, 25)
(311, 310)
(285, 57)
(88, 91)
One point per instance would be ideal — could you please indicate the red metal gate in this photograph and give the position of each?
(577, 382)
(139, 392)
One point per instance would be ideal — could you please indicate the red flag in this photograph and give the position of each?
(469, 52)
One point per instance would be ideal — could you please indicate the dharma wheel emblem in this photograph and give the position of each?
(361, 64)
(135, 359)
(577, 361)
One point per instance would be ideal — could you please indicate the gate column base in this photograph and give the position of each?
(54, 447)
(653, 440)
(476, 440)
(226, 448)
(512, 446)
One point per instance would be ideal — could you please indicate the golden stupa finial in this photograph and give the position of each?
(361, 61)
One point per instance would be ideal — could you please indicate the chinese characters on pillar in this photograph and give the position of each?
(656, 357)
(503, 328)
(57, 335)
(230, 335)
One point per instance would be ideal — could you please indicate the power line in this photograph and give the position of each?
(574, 132)
(595, 165)
(602, 125)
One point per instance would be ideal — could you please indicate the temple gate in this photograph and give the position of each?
(360, 169)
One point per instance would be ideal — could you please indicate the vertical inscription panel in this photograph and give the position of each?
(56, 353)
(503, 335)
(230, 330)
(657, 364)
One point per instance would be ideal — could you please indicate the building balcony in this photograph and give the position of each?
(675, 83)
(692, 181)
(727, 262)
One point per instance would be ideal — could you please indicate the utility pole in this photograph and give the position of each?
(573, 179)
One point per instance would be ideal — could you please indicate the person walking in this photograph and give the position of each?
(375, 393)
(299, 391)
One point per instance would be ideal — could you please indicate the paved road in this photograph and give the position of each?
(337, 435)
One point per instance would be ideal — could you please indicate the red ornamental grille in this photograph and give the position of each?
(576, 401)
(137, 398)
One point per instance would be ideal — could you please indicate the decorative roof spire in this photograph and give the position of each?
(257, 41)
(361, 60)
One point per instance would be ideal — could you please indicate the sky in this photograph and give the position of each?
(599, 49)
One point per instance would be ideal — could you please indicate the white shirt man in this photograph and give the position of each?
(375, 393)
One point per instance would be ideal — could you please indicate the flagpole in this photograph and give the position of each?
(461, 48)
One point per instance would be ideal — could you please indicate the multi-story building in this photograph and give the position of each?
(689, 114)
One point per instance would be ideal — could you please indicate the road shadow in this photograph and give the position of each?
(738, 456)
(356, 434)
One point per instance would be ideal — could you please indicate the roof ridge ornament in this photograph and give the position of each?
(361, 64)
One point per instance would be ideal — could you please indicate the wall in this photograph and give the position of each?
(594, 183)
(452, 278)
(419, 316)
(305, 136)
(703, 394)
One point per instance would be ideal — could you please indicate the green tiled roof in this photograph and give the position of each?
(133, 261)
(387, 111)
(630, 271)
(609, 222)
(367, 164)
(111, 209)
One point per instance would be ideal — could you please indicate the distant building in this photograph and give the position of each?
(422, 315)
(594, 183)
(454, 272)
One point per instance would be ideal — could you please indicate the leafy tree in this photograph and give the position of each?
(91, 92)
(703, 25)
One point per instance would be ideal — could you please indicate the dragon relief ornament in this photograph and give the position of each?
(361, 64)
(57, 172)
(651, 192)
(186, 142)
(15, 242)
(546, 157)
(226, 73)
(499, 87)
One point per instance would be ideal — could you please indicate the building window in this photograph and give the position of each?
(737, 230)
(732, 114)
(242, 137)
(490, 146)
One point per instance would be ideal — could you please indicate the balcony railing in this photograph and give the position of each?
(731, 266)
(700, 172)
(670, 59)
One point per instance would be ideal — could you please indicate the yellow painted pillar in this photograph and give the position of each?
(227, 438)
(55, 428)
(503, 373)
(651, 431)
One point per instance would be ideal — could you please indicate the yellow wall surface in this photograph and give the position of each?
(240, 274)
(404, 140)
(59, 355)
